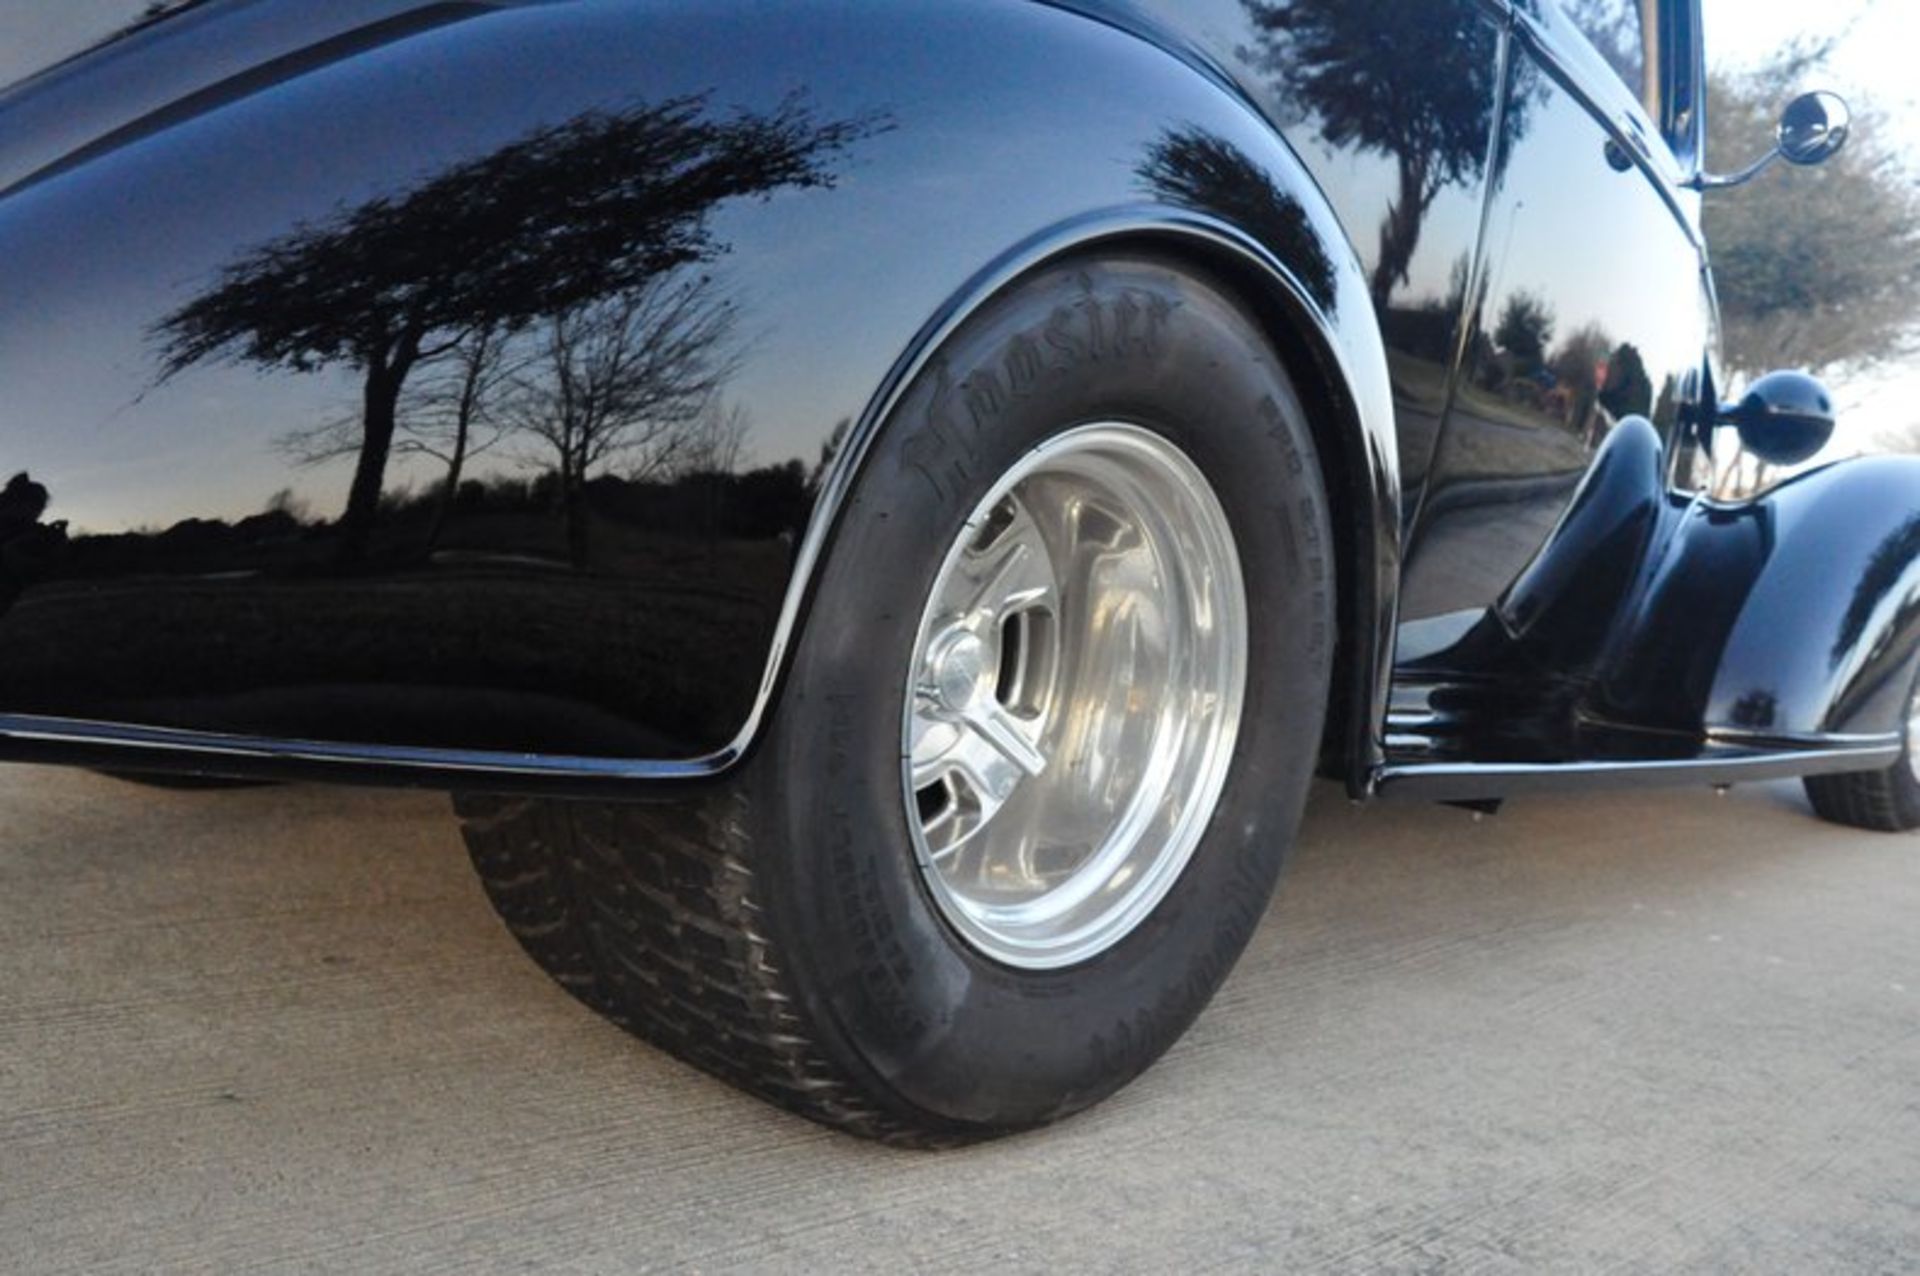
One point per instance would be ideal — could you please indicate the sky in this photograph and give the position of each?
(34, 33)
(1874, 60)
(1873, 64)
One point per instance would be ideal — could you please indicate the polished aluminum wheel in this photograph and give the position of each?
(1074, 696)
(1913, 732)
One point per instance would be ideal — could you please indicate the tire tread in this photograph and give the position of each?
(646, 913)
(1875, 800)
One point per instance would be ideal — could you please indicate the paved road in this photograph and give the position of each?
(1646, 1032)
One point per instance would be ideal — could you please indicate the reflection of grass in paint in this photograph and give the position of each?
(1498, 408)
(683, 657)
(1422, 380)
(1490, 436)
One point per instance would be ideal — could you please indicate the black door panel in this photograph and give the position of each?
(1588, 308)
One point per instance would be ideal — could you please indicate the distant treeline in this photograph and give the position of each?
(759, 504)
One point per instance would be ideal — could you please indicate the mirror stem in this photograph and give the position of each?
(1722, 181)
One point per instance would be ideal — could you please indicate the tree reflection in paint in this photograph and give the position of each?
(1414, 80)
(551, 230)
(1197, 169)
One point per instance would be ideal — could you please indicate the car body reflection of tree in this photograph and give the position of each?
(1192, 168)
(603, 221)
(546, 328)
(1414, 80)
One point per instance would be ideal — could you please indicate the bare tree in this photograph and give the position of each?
(449, 414)
(829, 453)
(622, 381)
(452, 414)
(718, 437)
(336, 436)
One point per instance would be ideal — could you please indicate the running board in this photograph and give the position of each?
(1712, 764)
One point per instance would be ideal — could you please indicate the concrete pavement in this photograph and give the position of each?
(279, 1028)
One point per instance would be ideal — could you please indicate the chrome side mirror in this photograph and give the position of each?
(1784, 418)
(1812, 130)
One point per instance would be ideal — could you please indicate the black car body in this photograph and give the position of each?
(253, 259)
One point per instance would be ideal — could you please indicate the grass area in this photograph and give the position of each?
(1487, 436)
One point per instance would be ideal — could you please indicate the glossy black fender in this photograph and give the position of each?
(1822, 645)
(1789, 621)
(848, 181)
(1563, 605)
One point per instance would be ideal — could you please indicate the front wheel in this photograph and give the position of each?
(1887, 800)
(1043, 744)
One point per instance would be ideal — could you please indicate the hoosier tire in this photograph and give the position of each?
(876, 922)
(645, 913)
(1887, 801)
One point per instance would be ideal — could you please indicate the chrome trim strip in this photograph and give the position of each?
(1791, 741)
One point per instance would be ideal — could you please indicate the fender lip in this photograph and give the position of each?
(83, 742)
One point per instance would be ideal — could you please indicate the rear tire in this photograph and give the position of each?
(1888, 800)
(791, 931)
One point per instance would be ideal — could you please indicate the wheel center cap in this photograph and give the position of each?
(956, 667)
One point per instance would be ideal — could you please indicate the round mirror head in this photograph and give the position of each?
(1813, 128)
(1785, 418)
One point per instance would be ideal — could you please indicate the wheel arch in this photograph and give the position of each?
(1337, 363)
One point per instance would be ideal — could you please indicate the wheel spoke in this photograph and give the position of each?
(1020, 574)
(978, 781)
(1003, 731)
(931, 763)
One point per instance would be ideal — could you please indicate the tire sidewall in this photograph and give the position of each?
(1905, 784)
(890, 987)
